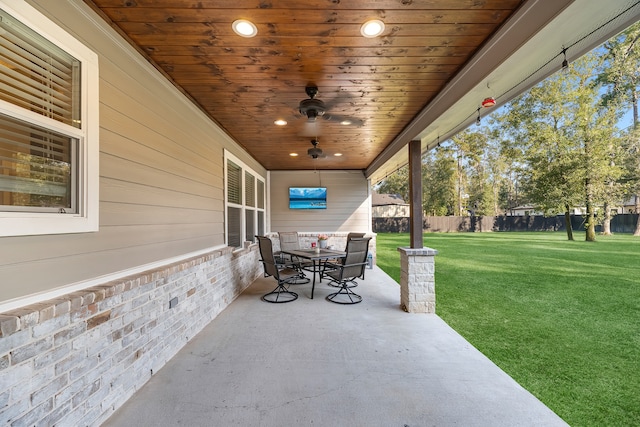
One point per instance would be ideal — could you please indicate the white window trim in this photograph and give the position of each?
(87, 219)
(243, 207)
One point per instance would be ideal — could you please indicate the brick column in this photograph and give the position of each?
(417, 280)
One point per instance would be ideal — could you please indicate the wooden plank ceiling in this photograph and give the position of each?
(245, 84)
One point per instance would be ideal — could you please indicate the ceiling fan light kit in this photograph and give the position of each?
(315, 152)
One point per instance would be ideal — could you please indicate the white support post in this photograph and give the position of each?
(417, 280)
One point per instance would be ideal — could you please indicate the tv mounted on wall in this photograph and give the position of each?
(307, 197)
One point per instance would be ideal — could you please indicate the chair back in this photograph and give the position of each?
(266, 255)
(356, 259)
(354, 235)
(289, 240)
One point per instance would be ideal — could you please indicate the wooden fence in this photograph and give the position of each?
(623, 223)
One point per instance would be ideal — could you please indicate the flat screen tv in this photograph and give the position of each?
(307, 197)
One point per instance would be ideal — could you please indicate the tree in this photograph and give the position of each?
(439, 182)
(535, 122)
(631, 176)
(622, 77)
(469, 148)
(594, 126)
(396, 183)
(567, 134)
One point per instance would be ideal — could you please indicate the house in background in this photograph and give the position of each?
(524, 210)
(630, 205)
(388, 206)
(626, 207)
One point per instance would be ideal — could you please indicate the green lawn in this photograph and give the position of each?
(562, 318)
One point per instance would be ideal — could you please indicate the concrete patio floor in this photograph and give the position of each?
(312, 362)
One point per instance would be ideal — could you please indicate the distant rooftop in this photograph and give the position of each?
(386, 199)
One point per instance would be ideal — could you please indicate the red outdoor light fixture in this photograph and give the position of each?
(488, 102)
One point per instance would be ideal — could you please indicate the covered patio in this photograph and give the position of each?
(178, 162)
(311, 362)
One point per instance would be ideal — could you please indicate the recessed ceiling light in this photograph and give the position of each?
(280, 122)
(244, 28)
(372, 28)
(338, 154)
(345, 122)
(293, 154)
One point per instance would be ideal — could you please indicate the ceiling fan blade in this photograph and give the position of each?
(345, 120)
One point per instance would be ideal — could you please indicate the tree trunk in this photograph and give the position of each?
(606, 225)
(637, 210)
(567, 222)
(635, 126)
(590, 226)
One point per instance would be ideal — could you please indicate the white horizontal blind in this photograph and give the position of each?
(250, 189)
(234, 181)
(37, 75)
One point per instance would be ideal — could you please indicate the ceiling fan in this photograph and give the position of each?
(313, 108)
(315, 152)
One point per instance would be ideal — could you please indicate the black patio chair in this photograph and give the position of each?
(284, 276)
(289, 241)
(331, 264)
(351, 268)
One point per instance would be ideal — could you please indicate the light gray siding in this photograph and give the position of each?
(348, 202)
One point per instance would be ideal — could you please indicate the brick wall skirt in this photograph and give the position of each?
(76, 359)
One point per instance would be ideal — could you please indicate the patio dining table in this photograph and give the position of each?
(316, 256)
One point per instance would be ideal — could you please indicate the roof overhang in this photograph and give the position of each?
(526, 50)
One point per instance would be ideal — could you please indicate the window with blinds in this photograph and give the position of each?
(46, 150)
(245, 202)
